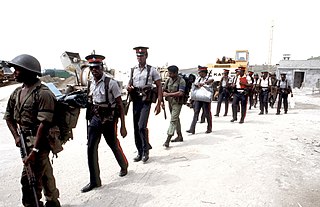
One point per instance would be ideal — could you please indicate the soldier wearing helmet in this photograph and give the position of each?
(33, 118)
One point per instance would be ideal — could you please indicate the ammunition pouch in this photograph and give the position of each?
(283, 91)
(147, 93)
(54, 137)
(106, 113)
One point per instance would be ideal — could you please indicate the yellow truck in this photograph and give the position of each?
(217, 68)
(241, 59)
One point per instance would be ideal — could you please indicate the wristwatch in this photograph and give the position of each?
(35, 149)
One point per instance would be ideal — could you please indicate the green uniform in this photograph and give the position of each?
(175, 103)
(28, 111)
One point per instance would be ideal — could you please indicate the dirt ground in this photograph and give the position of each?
(267, 161)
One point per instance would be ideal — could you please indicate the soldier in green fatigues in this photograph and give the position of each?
(173, 91)
(34, 118)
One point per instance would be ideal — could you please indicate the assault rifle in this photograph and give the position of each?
(27, 167)
(127, 104)
(164, 109)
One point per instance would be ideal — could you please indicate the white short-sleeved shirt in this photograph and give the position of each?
(98, 91)
(284, 84)
(225, 81)
(139, 76)
(265, 82)
(202, 80)
(236, 80)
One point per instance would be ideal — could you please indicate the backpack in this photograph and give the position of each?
(189, 79)
(65, 118)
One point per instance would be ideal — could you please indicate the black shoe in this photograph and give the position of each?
(145, 157)
(166, 144)
(216, 115)
(261, 113)
(123, 172)
(53, 203)
(224, 114)
(201, 122)
(189, 131)
(285, 112)
(241, 121)
(89, 187)
(233, 120)
(137, 158)
(177, 139)
(208, 131)
(278, 113)
(266, 111)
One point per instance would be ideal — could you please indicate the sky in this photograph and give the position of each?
(184, 33)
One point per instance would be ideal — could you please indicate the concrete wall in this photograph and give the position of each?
(311, 76)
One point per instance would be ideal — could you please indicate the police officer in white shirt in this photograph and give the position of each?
(284, 89)
(104, 97)
(264, 85)
(142, 75)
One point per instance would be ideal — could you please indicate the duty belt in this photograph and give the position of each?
(240, 90)
(138, 91)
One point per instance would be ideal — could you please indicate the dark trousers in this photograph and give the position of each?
(141, 111)
(283, 97)
(207, 113)
(263, 97)
(224, 95)
(250, 98)
(44, 180)
(109, 131)
(242, 98)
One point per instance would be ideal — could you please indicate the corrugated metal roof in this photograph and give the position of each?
(309, 64)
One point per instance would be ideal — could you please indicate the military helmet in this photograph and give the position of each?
(27, 62)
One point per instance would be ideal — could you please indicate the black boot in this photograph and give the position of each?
(190, 131)
(137, 158)
(179, 138)
(166, 143)
(53, 203)
(145, 157)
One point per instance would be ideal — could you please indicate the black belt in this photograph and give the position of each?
(138, 91)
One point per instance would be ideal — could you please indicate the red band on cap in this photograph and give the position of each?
(93, 60)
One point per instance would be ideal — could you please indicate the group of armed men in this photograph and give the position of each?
(29, 121)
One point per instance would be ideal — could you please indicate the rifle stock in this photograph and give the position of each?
(27, 167)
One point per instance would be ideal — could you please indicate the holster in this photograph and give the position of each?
(105, 113)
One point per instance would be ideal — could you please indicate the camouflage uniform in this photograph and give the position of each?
(175, 104)
(37, 106)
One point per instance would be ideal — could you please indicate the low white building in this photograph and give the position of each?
(301, 73)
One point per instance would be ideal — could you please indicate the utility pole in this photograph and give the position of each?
(270, 44)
